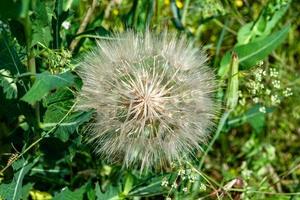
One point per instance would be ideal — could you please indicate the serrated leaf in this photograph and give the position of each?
(112, 193)
(67, 194)
(58, 104)
(44, 83)
(8, 84)
(72, 122)
(25, 190)
(9, 59)
(13, 190)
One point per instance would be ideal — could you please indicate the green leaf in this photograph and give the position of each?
(44, 83)
(149, 187)
(41, 32)
(268, 18)
(250, 54)
(14, 189)
(253, 116)
(67, 194)
(58, 104)
(26, 189)
(112, 193)
(224, 65)
(68, 127)
(257, 121)
(8, 84)
(9, 59)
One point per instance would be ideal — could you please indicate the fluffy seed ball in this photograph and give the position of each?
(152, 96)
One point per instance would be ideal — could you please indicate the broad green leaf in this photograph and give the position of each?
(44, 83)
(8, 85)
(58, 104)
(250, 54)
(13, 190)
(67, 127)
(67, 194)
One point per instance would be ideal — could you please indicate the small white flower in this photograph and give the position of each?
(268, 92)
(242, 101)
(275, 100)
(258, 76)
(276, 84)
(262, 109)
(192, 178)
(260, 63)
(185, 189)
(274, 72)
(181, 172)
(255, 99)
(202, 187)
(261, 86)
(174, 185)
(66, 25)
(288, 92)
(164, 182)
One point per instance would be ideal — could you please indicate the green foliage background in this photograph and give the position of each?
(254, 50)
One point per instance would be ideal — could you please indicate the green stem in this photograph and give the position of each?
(216, 136)
(184, 12)
(31, 65)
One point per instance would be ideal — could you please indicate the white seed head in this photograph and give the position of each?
(152, 96)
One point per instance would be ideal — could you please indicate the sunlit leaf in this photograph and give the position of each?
(44, 83)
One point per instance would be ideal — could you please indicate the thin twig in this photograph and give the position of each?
(84, 24)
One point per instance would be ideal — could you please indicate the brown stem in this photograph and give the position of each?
(84, 24)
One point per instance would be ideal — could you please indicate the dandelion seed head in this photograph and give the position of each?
(152, 96)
